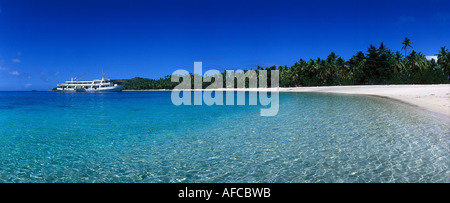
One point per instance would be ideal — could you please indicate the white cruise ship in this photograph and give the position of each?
(99, 85)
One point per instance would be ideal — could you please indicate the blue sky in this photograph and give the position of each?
(43, 42)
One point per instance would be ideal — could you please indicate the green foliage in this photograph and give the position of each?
(406, 43)
(138, 83)
(378, 65)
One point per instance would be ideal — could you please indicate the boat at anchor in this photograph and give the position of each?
(98, 85)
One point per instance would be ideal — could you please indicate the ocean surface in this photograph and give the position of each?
(143, 137)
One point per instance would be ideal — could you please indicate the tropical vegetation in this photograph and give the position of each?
(377, 65)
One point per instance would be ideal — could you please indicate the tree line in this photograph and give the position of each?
(378, 65)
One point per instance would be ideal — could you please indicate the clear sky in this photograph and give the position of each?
(48, 41)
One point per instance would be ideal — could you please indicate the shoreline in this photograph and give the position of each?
(435, 98)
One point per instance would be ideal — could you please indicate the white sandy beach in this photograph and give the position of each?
(434, 98)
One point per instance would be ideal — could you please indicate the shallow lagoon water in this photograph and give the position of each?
(143, 137)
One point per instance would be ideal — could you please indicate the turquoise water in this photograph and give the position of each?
(143, 137)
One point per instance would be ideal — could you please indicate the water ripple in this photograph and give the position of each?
(142, 137)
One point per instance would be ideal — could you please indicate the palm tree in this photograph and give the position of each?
(295, 74)
(322, 71)
(416, 62)
(406, 43)
(444, 60)
(331, 65)
(343, 72)
(358, 63)
(398, 64)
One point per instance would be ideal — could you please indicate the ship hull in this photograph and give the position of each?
(117, 88)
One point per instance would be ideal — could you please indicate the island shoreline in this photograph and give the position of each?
(434, 98)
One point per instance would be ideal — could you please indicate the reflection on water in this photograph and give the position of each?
(143, 137)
